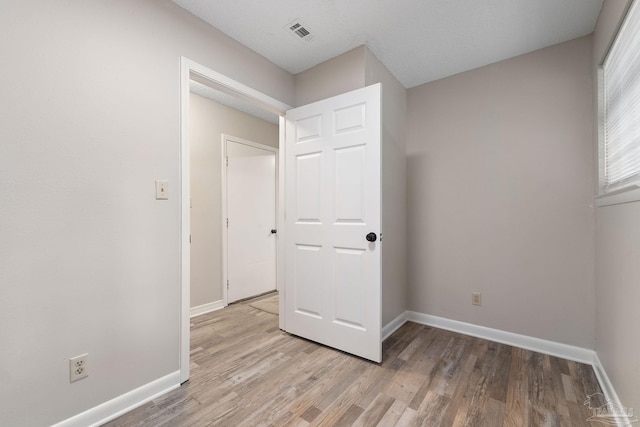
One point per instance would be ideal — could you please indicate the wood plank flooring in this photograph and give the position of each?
(246, 372)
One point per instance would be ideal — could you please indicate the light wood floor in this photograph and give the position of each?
(245, 371)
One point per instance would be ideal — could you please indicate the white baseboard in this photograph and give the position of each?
(565, 351)
(394, 325)
(206, 308)
(608, 390)
(122, 404)
(603, 379)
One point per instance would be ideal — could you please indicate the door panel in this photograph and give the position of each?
(350, 184)
(332, 200)
(251, 209)
(308, 183)
(349, 287)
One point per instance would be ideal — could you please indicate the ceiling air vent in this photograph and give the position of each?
(299, 30)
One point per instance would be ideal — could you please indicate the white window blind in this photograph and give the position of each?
(622, 105)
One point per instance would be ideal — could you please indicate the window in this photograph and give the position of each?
(620, 103)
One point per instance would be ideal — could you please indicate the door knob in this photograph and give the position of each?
(371, 237)
(274, 231)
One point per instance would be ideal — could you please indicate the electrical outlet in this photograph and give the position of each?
(476, 298)
(78, 367)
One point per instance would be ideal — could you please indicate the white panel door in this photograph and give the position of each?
(251, 213)
(332, 202)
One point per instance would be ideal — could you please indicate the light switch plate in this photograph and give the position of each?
(476, 298)
(162, 190)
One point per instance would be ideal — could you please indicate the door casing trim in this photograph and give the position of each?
(191, 70)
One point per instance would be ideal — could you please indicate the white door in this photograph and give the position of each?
(251, 214)
(332, 202)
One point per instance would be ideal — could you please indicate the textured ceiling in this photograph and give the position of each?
(418, 40)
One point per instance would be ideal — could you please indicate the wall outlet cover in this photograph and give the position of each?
(78, 368)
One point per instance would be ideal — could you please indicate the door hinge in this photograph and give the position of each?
(227, 285)
(227, 161)
(227, 222)
(189, 238)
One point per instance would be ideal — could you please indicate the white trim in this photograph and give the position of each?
(281, 217)
(223, 216)
(253, 144)
(211, 78)
(124, 403)
(206, 308)
(603, 379)
(565, 351)
(607, 388)
(394, 325)
(627, 194)
(185, 221)
(190, 69)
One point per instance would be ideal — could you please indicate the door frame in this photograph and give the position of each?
(191, 70)
(225, 214)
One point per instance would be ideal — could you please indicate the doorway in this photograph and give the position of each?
(249, 226)
(247, 98)
(210, 122)
(344, 120)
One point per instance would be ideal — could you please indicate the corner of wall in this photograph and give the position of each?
(616, 363)
(333, 77)
(394, 182)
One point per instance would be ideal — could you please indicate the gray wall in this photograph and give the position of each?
(617, 263)
(338, 75)
(500, 183)
(500, 178)
(394, 181)
(208, 120)
(89, 260)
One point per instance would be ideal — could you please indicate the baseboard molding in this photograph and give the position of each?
(122, 404)
(608, 390)
(603, 379)
(565, 351)
(206, 308)
(394, 325)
